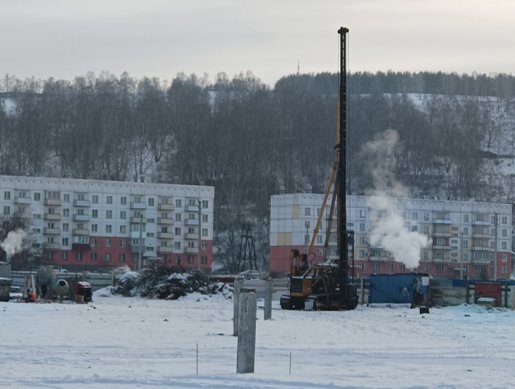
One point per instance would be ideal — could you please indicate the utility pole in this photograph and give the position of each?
(140, 249)
(495, 248)
(199, 231)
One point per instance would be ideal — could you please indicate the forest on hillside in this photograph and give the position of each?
(251, 141)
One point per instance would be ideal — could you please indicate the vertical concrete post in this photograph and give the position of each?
(512, 296)
(238, 284)
(246, 332)
(268, 299)
(362, 290)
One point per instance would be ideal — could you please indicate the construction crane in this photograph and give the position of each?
(328, 285)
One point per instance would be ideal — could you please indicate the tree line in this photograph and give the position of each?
(249, 140)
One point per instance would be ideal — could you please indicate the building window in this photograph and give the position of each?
(504, 245)
(204, 219)
(109, 200)
(504, 232)
(414, 228)
(177, 231)
(65, 241)
(376, 266)
(203, 245)
(123, 200)
(109, 228)
(150, 201)
(121, 257)
(94, 228)
(203, 260)
(504, 269)
(65, 256)
(66, 212)
(66, 197)
(107, 257)
(93, 257)
(440, 268)
(7, 195)
(504, 257)
(362, 226)
(362, 214)
(123, 215)
(178, 203)
(78, 256)
(123, 229)
(205, 204)
(108, 243)
(465, 218)
(504, 220)
(7, 209)
(37, 196)
(307, 211)
(190, 259)
(465, 230)
(204, 232)
(109, 214)
(123, 243)
(426, 216)
(177, 217)
(177, 245)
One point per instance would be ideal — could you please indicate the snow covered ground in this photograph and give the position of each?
(118, 342)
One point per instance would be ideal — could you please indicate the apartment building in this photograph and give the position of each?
(94, 224)
(467, 238)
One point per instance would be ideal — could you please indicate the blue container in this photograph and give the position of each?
(402, 288)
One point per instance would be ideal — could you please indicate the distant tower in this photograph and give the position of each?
(298, 67)
(247, 258)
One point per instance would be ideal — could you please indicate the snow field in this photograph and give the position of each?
(120, 342)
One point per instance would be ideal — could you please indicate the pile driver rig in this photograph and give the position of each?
(329, 284)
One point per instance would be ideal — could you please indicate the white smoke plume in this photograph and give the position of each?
(388, 230)
(13, 243)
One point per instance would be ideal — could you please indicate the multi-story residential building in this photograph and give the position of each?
(466, 238)
(93, 224)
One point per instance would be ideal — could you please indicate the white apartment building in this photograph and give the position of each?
(94, 224)
(467, 238)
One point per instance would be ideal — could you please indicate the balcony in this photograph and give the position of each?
(165, 235)
(22, 215)
(22, 200)
(164, 249)
(81, 203)
(191, 222)
(482, 248)
(51, 231)
(51, 246)
(52, 202)
(191, 250)
(136, 248)
(191, 236)
(138, 205)
(52, 216)
(442, 221)
(481, 235)
(138, 220)
(192, 208)
(441, 247)
(165, 207)
(80, 218)
(163, 220)
(442, 234)
(80, 231)
(480, 223)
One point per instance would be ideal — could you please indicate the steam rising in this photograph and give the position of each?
(13, 243)
(388, 230)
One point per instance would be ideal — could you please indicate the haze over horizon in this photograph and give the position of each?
(65, 39)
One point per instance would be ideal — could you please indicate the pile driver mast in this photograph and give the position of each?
(329, 285)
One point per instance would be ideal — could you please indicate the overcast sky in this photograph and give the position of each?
(159, 38)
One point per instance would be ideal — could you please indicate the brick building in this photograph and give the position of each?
(94, 224)
(467, 238)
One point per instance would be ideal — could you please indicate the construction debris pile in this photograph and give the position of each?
(162, 284)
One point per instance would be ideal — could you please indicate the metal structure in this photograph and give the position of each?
(329, 285)
(247, 259)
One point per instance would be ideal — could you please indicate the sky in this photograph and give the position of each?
(160, 38)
